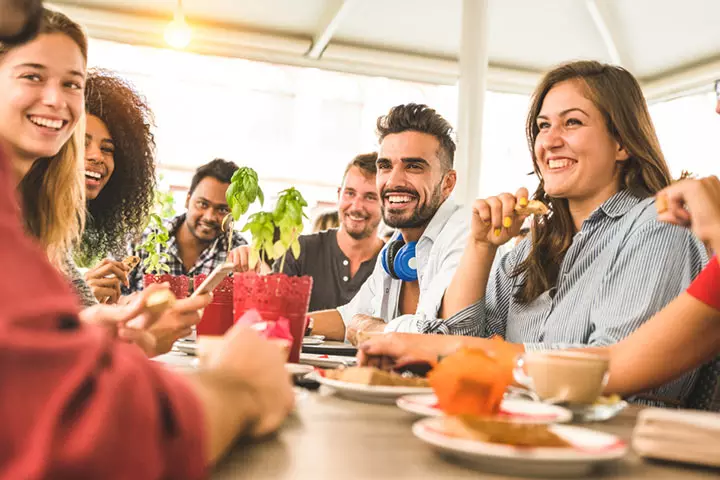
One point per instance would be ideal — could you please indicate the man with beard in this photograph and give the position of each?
(415, 177)
(340, 259)
(197, 243)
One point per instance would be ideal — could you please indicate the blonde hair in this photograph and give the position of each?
(53, 191)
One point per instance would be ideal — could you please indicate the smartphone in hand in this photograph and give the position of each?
(214, 279)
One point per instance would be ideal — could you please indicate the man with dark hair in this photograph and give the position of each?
(415, 177)
(197, 243)
(340, 260)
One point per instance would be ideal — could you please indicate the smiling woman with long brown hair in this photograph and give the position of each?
(599, 264)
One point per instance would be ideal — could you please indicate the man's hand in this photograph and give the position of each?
(240, 257)
(363, 324)
(105, 280)
(260, 365)
(695, 204)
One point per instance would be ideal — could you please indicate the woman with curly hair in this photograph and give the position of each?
(119, 177)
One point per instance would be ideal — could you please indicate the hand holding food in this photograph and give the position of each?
(497, 219)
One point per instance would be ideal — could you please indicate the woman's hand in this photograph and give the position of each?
(494, 220)
(106, 278)
(695, 204)
(177, 322)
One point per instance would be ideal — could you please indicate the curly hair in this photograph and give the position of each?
(120, 211)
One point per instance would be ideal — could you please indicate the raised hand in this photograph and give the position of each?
(106, 278)
(694, 204)
(494, 220)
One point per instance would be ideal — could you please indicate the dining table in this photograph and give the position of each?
(329, 437)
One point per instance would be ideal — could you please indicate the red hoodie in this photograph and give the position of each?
(73, 402)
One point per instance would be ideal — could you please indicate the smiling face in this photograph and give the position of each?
(99, 156)
(42, 97)
(576, 155)
(359, 204)
(206, 208)
(410, 179)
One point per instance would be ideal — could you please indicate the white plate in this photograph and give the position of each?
(313, 340)
(298, 370)
(368, 393)
(189, 348)
(516, 410)
(590, 448)
(327, 361)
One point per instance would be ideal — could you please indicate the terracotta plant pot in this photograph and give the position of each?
(218, 316)
(179, 284)
(275, 296)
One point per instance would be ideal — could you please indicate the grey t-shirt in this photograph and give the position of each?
(322, 259)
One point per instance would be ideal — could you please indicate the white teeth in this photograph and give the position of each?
(561, 163)
(398, 198)
(92, 175)
(46, 122)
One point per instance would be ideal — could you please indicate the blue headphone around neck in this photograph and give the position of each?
(398, 260)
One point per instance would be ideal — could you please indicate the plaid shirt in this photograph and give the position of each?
(211, 257)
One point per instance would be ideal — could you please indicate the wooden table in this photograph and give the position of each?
(332, 438)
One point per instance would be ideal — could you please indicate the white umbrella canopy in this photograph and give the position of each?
(671, 46)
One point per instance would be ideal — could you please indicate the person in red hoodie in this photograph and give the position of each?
(79, 404)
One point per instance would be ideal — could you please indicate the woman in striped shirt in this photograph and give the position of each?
(600, 263)
(640, 361)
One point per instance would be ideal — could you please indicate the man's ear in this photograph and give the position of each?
(449, 183)
(339, 190)
(187, 201)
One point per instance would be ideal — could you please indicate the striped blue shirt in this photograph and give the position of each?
(622, 267)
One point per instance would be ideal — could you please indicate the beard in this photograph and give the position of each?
(361, 233)
(214, 233)
(421, 216)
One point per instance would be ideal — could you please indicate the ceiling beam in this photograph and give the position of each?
(678, 82)
(607, 28)
(329, 23)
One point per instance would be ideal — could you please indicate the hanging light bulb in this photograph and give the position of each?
(178, 33)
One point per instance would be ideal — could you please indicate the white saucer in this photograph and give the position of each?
(524, 411)
(368, 393)
(590, 448)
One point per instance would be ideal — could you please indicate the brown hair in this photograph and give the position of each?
(366, 162)
(618, 96)
(326, 220)
(53, 191)
(423, 119)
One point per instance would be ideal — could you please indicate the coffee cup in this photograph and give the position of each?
(563, 376)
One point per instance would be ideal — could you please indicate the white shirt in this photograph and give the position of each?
(437, 254)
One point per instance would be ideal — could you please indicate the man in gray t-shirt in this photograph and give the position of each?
(340, 260)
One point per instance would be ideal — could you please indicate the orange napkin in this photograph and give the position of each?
(473, 381)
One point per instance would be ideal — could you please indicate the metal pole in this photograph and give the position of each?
(471, 98)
